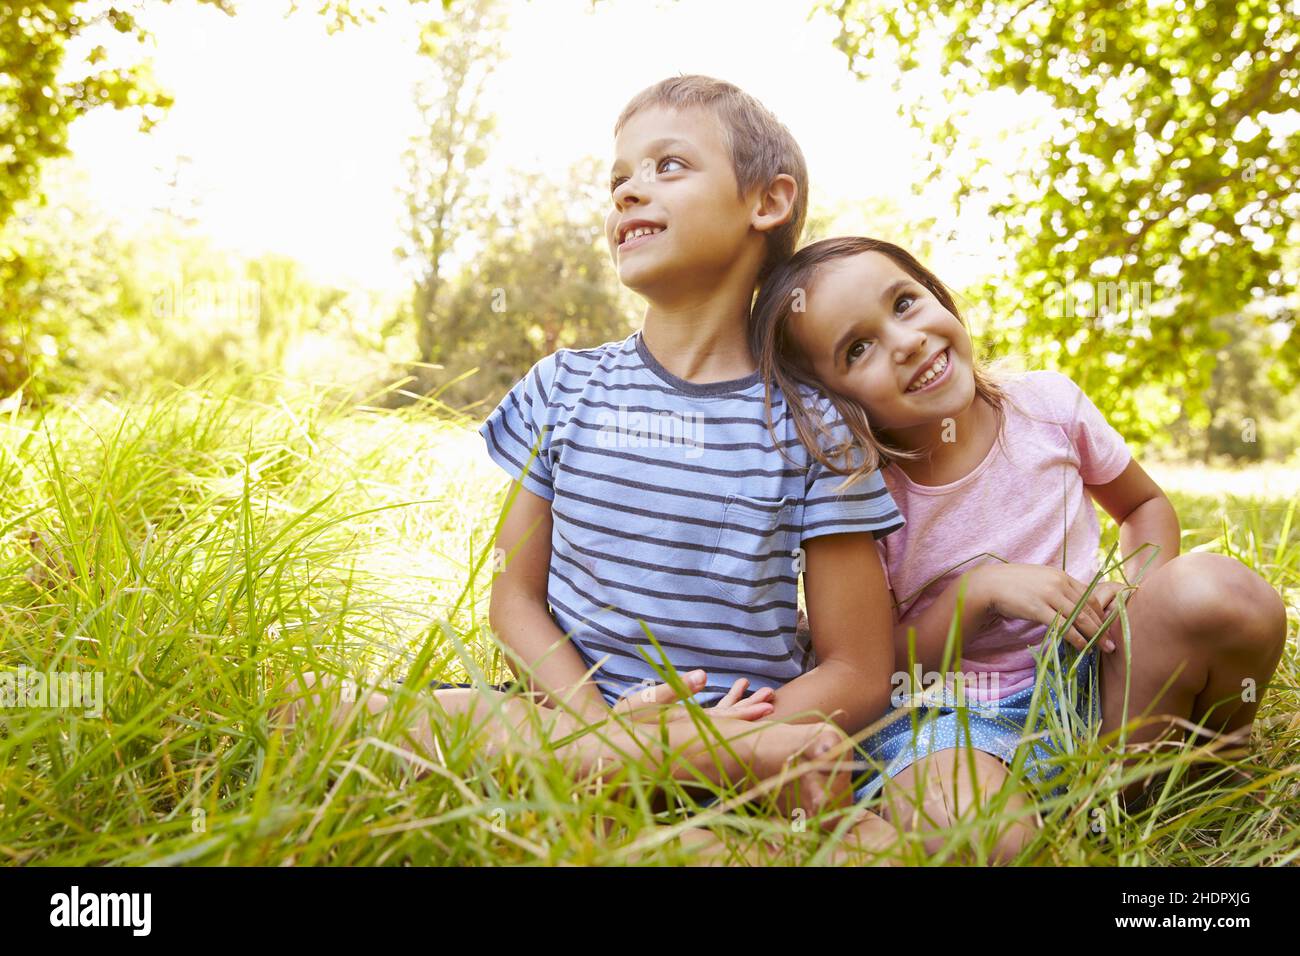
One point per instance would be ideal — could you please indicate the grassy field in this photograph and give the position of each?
(200, 548)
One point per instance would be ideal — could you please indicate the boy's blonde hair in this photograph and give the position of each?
(761, 147)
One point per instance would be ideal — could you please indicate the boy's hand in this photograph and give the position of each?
(1031, 592)
(644, 704)
(735, 705)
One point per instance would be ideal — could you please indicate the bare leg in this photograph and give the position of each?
(872, 835)
(753, 750)
(869, 838)
(939, 791)
(709, 849)
(1209, 628)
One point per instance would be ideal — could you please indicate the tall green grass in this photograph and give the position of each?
(199, 548)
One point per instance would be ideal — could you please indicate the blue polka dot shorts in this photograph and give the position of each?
(998, 727)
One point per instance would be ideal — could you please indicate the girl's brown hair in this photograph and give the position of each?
(783, 366)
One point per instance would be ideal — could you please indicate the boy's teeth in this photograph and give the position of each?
(642, 231)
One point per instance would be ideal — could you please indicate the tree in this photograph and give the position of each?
(542, 280)
(36, 108)
(41, 95)
(1167, 198)
(1238, 397)
(463, 50)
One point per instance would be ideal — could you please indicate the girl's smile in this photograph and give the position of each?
(875, 334)
(933, 375)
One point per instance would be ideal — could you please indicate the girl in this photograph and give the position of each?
(981, 469)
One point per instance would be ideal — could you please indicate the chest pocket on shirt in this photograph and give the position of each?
(753, 550)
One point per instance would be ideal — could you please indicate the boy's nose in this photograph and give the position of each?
(628, 193)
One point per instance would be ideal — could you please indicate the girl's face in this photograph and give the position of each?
(874, 334)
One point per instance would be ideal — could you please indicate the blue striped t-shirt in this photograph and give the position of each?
(673, 512)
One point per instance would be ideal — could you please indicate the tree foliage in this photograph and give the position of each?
(462, 49)
(36, 106)
(1167, 199)
(542, 280)
(42, 93)
(98, 308)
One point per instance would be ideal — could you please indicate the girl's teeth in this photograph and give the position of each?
(932, 372)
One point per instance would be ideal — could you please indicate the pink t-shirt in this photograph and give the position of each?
(1018, 503)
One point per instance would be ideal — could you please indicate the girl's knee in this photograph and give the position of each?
(1222, 601)
(939, 791)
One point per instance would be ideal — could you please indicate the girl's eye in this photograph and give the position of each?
(857, 350)
(615, 183)
(908, 298)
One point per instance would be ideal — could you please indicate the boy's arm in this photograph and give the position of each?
(851, 623)
(519, 613)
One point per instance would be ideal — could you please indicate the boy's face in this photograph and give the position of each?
(672, 173)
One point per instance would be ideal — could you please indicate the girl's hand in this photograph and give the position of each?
(1105, 592)
(1031, 592)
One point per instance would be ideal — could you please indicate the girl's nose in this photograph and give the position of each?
(909, 342)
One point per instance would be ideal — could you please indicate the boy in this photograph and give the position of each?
(651, 498)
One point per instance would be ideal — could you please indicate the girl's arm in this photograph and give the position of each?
(1144, 516)
(519, 613)
(1026, 592)
(850, 619)
(933, 623)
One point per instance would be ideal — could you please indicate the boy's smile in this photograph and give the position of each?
(634, 232)
(678, 222)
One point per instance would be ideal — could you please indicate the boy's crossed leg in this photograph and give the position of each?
(753, 750)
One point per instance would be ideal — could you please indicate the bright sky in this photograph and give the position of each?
(296, 136)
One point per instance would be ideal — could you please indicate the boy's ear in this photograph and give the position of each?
(775, 204)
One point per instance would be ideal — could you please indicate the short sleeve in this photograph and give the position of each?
(865, 505)
(881, 547)
(1103, 455)
(517, 432)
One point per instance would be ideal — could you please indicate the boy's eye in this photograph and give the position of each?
(619, 180)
